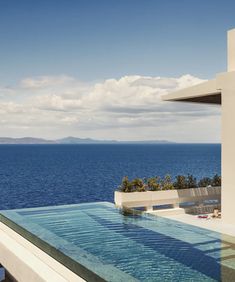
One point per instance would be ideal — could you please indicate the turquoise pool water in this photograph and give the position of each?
(98, 242)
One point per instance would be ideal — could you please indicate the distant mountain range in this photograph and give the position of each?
(73, 140)
(25, 140)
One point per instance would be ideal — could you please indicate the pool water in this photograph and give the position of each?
(97, 241)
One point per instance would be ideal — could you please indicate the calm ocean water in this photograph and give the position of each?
(41, 175)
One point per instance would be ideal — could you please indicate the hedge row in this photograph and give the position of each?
(167, 183)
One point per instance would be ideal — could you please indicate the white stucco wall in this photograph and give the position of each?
(226, 82)
(231, 50)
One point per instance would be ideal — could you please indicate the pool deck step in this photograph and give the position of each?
(167, 212)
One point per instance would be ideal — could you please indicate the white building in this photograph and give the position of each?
(220, 90)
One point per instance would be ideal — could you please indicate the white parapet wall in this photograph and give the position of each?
(27, 263)
(149, 199)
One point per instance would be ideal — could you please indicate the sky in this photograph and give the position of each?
(98, 69)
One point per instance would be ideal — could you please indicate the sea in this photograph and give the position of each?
(45, 175)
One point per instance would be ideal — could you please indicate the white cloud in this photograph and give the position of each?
(56, 103)
(126, 108)
(44, 81)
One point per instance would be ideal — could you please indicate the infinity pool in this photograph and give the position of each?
(98, 242)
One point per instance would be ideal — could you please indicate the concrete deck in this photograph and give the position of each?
(214, 224)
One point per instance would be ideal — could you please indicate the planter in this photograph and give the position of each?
(173, 197)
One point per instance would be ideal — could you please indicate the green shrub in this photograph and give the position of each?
(181, 182)
(166, 183)
(216, 180)
(126, 185)
(138, 185)
(153, 184)
(204, 182)
(191, 181)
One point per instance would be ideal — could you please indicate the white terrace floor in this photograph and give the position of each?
(214, 224)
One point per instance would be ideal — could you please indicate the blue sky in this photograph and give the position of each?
(75, 45)
(93, 39)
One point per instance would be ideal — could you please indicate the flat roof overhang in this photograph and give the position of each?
(205, 92)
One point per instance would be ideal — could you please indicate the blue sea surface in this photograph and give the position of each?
(44, 175)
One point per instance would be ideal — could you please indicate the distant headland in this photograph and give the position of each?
(74, 140)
